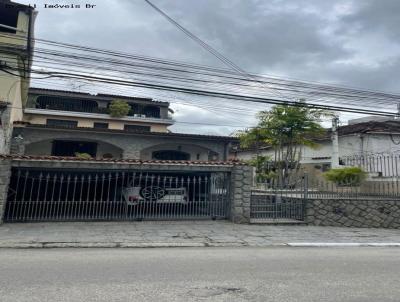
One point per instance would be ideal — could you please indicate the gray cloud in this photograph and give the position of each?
(353, 43)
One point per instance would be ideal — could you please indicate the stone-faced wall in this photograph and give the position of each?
(241, 183)
(371, 213)
(5, 174)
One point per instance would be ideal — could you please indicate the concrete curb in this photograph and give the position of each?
(344, 244)
(38, 245)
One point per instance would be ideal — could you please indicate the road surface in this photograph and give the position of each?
(200, 274)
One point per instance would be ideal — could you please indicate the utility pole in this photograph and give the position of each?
(335, 143)
(398, 111)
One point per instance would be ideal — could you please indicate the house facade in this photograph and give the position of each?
(64, 123)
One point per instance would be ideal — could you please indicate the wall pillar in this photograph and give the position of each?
(5, 174)
(241, 183)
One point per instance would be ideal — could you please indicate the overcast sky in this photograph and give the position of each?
(352, 43)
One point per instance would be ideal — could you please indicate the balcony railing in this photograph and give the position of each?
(138, 110)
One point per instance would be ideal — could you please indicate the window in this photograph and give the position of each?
(100, 125)
(170, 155)
(136, 128)
(8, 17)
(61, 123)
(70, 148)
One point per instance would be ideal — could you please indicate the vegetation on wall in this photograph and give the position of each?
(119, 108)
(348, 176)
(83, 155)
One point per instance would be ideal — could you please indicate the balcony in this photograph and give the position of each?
(62, 104)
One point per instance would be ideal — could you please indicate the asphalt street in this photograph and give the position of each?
(200, 274)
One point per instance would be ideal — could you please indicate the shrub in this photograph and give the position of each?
(263, 167)
(83, 155)
(119, 108)
(349, 176)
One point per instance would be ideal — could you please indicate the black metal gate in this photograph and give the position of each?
(269, 205)
(280, 201)
(65, 195)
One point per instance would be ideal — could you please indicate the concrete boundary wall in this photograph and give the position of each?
(240, 177)
(372, 213)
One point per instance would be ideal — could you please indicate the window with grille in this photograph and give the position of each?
(100, 125)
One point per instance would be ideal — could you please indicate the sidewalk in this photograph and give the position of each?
(186, 234)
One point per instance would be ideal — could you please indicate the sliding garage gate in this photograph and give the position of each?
(67, 195)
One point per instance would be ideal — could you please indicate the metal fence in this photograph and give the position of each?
(382, 176)
(64, 195)
(378, 165)
(270, 201)
(367, 189)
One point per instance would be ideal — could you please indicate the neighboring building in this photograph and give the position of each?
(63, 123)
(367, 136)
(16, 32)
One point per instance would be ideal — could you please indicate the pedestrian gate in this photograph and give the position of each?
(275, 205)
(63, 195)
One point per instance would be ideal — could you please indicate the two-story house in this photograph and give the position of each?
(65, 123)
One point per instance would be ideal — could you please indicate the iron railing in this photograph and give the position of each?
(64, 195)
(378, 165)
(91, 106)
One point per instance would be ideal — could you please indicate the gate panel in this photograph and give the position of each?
(64, 195)
(280, 200)
(275, 206)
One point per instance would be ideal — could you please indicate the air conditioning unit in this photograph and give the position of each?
(136, 115)
(143, 115)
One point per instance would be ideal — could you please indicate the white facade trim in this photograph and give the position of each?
(97, 116)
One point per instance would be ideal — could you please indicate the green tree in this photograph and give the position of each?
(285, 128)
(119, 108)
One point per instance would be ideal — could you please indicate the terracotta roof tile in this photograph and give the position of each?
(122, 161)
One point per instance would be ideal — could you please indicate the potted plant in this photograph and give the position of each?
(119, 108)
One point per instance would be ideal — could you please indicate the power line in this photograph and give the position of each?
(324, 88)
(232, 87)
